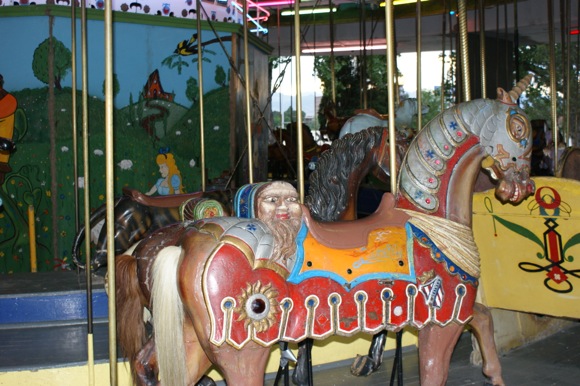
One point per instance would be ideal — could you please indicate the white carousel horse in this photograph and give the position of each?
(404, 114)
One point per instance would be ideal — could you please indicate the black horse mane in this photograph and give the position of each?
(327, 194)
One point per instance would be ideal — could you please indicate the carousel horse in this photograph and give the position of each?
(404, 114)
(137, 214)
(569, 164)
(282, 150)
(331, 128)
(412, 263)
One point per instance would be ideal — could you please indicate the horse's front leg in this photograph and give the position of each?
(482, 327)
(436, 345)
(367, 364)
(196, 360)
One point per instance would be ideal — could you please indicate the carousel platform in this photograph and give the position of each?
(43, 326)
(43, 320)
(553, 361)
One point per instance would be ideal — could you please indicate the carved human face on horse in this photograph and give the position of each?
(277, 205)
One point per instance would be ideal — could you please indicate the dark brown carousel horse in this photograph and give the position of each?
(137, 214)
(333, 123)
(201, 318)
(569, 164)
(283, 154)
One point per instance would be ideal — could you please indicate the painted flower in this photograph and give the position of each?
(125, 164)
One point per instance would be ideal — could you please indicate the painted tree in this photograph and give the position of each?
(192, 90)
(220, 76)
(116, 86)
(61, 59)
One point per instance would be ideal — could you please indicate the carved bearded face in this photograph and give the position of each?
(277, 205)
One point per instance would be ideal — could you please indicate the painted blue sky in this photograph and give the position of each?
(138, 51)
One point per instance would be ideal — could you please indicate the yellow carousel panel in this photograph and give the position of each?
(530, 253)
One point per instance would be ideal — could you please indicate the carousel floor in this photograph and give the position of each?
(552, 361)
(42, 344)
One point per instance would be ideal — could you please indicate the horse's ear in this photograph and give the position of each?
(504, 96)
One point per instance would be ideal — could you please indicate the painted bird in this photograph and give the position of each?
(186, 48)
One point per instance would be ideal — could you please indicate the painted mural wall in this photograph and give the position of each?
(156, 114)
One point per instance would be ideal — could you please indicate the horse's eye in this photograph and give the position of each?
(518, 127)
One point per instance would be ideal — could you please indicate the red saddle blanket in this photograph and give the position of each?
(320, 299)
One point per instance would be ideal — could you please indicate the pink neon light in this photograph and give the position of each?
(273, 3)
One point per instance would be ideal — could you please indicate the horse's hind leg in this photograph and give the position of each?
(436, 345)
(482, 325)
(145, 365)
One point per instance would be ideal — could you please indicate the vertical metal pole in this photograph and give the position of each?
(200, 82)
(553, 90)
(482, 48)
(568, 74)
(516, 42)
(332, 77)
(464, 50)
(86, 197)
(363, 72)
(390, 26)
(248, 100)
(110, 189)
(73, 43)
(300, 150)
(443, 32)
(419, 96)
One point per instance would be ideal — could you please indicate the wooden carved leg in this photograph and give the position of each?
(364, 365)
(436, 345)
(482, 327)
(302, 375)
(244, 367)
(145, 365)
(197, 361)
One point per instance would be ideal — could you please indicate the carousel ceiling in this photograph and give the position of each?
(355, 22)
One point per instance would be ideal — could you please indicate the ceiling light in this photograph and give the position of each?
(308, 11)
(401, 2)
(319, 50)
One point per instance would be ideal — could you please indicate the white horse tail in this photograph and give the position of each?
(168, 317)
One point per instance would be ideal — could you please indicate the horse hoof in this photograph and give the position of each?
(363, 366)
(205, 381)
(300, 377)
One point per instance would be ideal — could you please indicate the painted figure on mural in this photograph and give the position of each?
(170, 181)
(8, 106)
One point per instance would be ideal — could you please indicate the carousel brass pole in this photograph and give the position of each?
(86, 190)
(464, 50)
(390, 25)
(247, 93)
(200, 82)
(300, 150)
(73, 63)
(482, 47)
(110, 191)
(553, 91)
(332, 77)
(568, 74)
(443, 32)
(419, 96)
